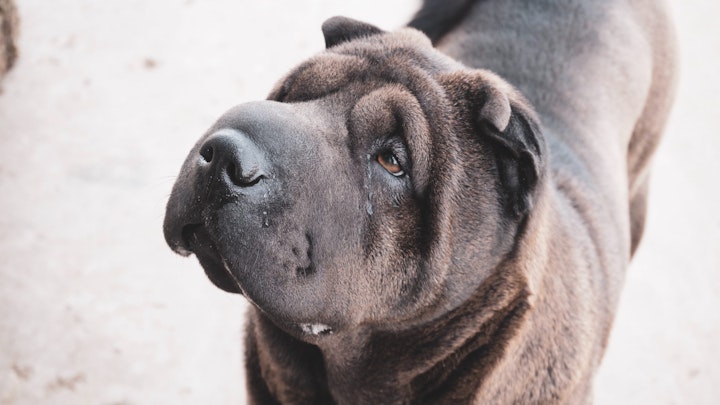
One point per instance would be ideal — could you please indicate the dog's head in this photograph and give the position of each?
(380, 185)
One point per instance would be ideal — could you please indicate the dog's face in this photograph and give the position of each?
(346, 199)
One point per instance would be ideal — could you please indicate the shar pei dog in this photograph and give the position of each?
(441, 214)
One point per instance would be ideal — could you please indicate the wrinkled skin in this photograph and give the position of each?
(408, 232)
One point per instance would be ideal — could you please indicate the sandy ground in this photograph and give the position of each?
(95, 120)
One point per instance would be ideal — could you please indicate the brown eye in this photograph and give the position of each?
(389, 161)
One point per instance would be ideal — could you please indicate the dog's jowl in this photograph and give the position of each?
(441, 214)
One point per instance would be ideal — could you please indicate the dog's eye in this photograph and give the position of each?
(389, 162)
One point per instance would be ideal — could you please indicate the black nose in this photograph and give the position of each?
(231, 157)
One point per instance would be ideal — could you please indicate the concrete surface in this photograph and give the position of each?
(95, 120)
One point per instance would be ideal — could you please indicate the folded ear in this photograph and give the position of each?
(501, 117)
(342, 29)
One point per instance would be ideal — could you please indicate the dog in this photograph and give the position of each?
(441, 214)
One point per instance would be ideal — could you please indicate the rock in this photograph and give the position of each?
(8, 35)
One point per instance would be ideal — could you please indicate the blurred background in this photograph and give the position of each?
(96, 117)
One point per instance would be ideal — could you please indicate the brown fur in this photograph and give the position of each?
(489, 270)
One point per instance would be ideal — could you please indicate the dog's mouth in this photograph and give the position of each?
(199, 242)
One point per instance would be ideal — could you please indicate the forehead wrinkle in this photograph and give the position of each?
(303, 84)
(365, 66)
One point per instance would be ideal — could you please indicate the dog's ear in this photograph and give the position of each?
(342, 29)
(503, 120)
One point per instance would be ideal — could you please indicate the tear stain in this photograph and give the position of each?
(315, 329)
(368, 188)
(265, 219)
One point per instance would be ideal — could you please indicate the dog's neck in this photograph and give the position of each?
(414, 364)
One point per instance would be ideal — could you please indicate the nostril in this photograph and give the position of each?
(207, 153)
(232, 158)
(243, 179)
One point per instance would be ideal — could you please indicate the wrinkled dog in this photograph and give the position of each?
(436, 225)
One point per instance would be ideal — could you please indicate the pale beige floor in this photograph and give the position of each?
(100, 111)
